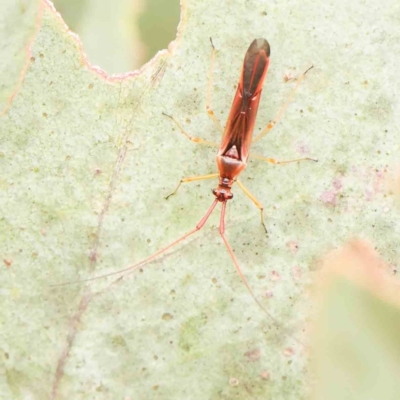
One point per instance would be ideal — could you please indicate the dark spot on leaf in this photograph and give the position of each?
(167, 317)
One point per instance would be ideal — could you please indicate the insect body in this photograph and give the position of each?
(236, 140)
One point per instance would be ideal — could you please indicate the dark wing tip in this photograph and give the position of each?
(260, 44)
(255, 66)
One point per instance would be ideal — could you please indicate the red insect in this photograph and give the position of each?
(234, 149)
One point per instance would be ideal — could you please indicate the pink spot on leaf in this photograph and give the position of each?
(265, 375)
(297, 272)
(329, 197)
(337, 183)
(302, 148)
(288, 352)
(293, 246)
(269, 294)
(253, 355)
(275, 276)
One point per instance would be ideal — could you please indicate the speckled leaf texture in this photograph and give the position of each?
(87, 160)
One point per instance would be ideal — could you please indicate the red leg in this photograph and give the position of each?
(132, 268)
(242, 277)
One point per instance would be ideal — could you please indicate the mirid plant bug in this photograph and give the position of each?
(233, 151)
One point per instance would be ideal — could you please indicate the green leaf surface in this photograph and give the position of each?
(357, 352)
(87, 160)
(360, 350)
(107, 31)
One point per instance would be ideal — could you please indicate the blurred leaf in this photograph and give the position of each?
(120, 35)
(157, 25)
(357, 354)
(108, 30)
(72, 12)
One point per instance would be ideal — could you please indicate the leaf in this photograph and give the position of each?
(87, 160)
(112, 25)
(356, 336)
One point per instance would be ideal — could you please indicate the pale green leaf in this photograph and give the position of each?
(357, 349)
(87, 160)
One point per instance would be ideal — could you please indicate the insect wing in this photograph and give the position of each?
(241, 120)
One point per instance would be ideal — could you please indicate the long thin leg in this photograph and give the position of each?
(194, 139)
(283, 108)
(210, 112)
(192, 179)
(242, 277)
(255, 201)
(132, 268)
(276, 162)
